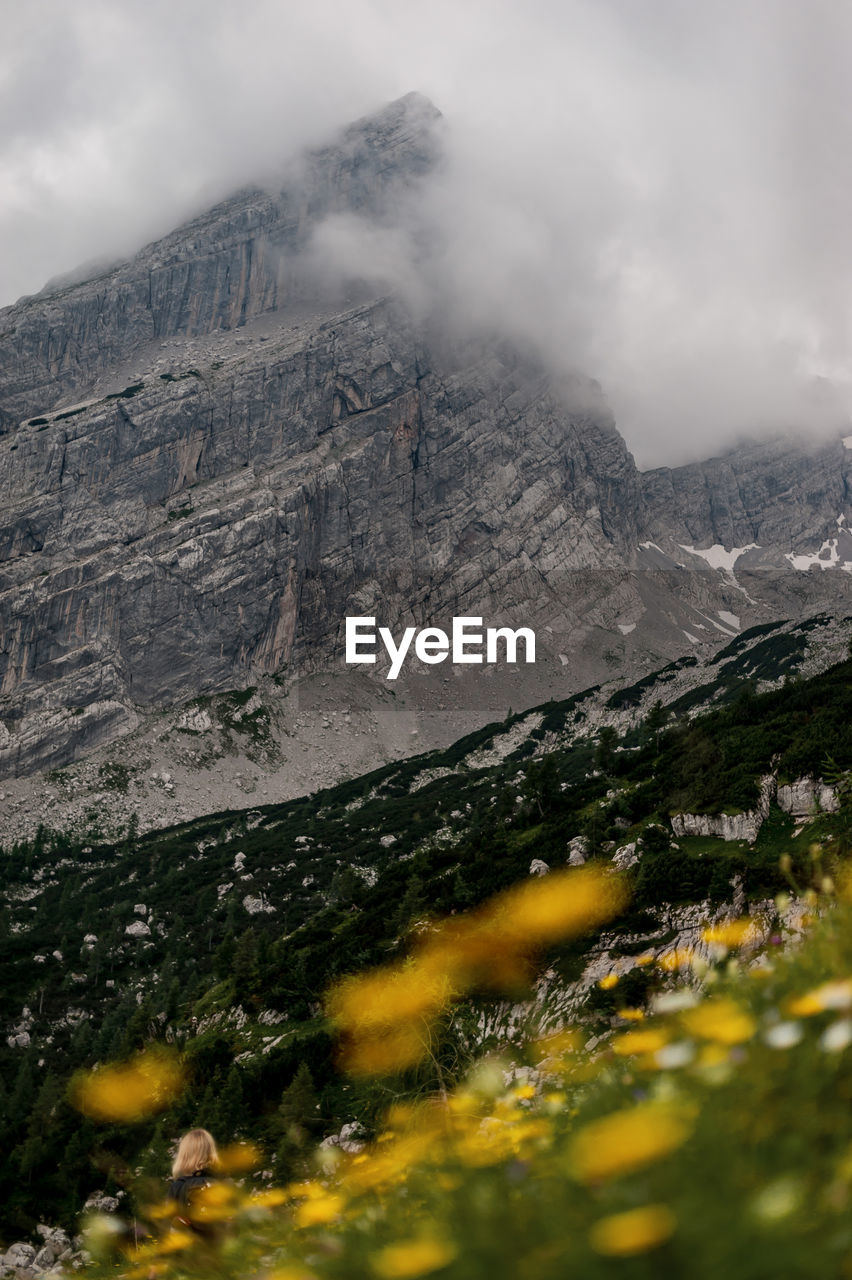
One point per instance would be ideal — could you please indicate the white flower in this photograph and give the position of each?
(675, 1055)
(674, 1001)
(783, 1035)
(837, 1036)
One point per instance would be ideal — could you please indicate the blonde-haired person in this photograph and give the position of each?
(195, 1166)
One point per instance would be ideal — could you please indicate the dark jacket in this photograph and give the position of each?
(182, 1190)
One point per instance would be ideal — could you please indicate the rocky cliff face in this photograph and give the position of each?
(773, 497)
(214, 524)
(209, 459)
(238, 260)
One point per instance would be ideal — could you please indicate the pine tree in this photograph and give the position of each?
(23, 1094)
(412, 905)
(229, 1112)
(155, 1157)
(246, 972)
(605, 752)
(297, 1121)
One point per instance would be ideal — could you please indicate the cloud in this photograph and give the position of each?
(657, 194)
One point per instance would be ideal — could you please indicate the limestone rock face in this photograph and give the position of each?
(212, 454)
(806, 796)
(221, 525)
(775, 493)
(237, 261)
(800, 798)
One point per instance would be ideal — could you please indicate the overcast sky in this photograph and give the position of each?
(658, 192)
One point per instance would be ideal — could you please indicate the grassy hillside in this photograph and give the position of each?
(219, 938)
(711, 1137)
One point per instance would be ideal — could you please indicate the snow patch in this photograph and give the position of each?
(826, 558)
(732, 619)
(717, 557)
(626, 627)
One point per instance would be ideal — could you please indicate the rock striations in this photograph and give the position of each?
(211, 454)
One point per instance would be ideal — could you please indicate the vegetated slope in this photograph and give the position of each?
(221, 936)
(712, 1139)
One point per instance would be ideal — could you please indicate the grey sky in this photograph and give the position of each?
(656, 192)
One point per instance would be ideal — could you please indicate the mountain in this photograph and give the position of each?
(215, 452)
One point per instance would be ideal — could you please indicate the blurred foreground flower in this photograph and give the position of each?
(831, 995)
(387, 1017)
(628, 1140)
(732, 933)
(380, 1000)
(240, 1157)
(721, 1020)
(561, 905)
(385, 1054)
(412, 1258)
(636, 1231)
(129, 1091)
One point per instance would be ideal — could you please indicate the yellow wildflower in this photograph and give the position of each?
(627, 1140)
(400, 1115)
(240, 1157)
(830, 995)
(610, 981)
(561, 905)
(129, 1091)
(492, 1141)
(713, 1055)
(721, 1020)
(292, 1271)
(376, 1001)
(163, 1209)
(731, 933)
(389, 1163)
(319, 1211)
(413, 1258)
(269, 1199)
(679, 958)
(384, 1054)
(174, 1241)
(301, 1190)
(623, 1234)
(559, 1042)
(464, 1103)
(214, 1203)
(631, 1015)
(648, 1040)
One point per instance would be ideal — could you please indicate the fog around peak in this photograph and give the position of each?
(656, 195)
